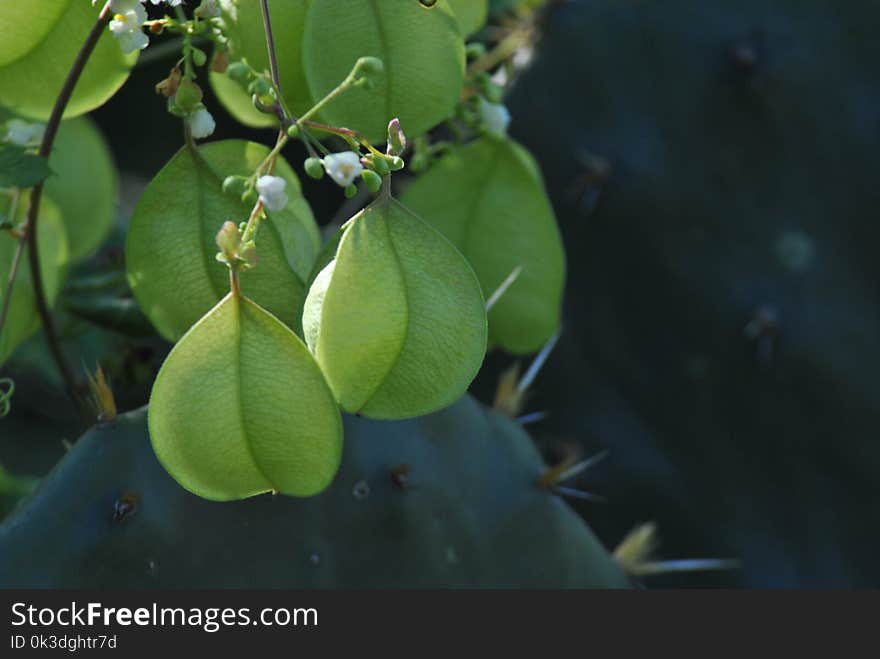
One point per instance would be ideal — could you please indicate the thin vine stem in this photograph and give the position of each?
(30, 234)
(16, 262)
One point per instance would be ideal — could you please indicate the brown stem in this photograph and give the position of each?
(270, 44)
(36, 194)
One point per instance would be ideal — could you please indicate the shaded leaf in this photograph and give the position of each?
(170, 249)
(489, 200)
(20, 168)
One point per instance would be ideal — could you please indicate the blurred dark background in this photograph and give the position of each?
(713, 167)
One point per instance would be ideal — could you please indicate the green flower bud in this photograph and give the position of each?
(188, 96)
(314, 168)
(240, 72)
(396, 163)
(228, 241)
(474, 50)
(293, 131)
(235, 185)
(260, 87)
(381, 165)
(372, 180)
(199, 57)
(350, 191)
(369, 66)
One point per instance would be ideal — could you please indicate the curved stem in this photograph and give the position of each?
(36, 194)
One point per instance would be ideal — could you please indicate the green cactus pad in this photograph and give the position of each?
(468, 514)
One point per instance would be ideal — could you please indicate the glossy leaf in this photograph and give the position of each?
(489, 200)
(20, 168)
(471, 14)
(33, 68)
(247, 40)
(83, 185)
(170, 250)
(240, 408)
(397, 319)
(422, 51)
(22, 320)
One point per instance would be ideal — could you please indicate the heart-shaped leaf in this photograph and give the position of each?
(247, 39)
(489, 200)
(471, 14)
(397, 320)
(39, 41)
(83, 185)
(240, 408)
(170, 250)
(422, 51)
(22, 319)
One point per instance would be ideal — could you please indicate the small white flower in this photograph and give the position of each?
(128, 17)
(201, 123)
(495, 117)
(343, 167)
(208, 9)
(271, 189)
(23, 133)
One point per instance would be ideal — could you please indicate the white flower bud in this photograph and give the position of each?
(495, 117)
(23, 133)
(201, 123)
(271, 189)
(343, 167)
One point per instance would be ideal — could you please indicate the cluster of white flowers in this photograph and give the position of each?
(495, 117)
(23, 133)
(272, 195)
(343, 167)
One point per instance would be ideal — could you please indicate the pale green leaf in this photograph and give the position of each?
(240, 408)
(170, 249)
(247, 40)
(32, 71)
(471, 14)
(397, 320)
(22, 320)
(489, 200)
(83, 185)
(421, 48)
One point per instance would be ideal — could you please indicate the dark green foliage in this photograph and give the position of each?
(19, 168)
(445, 500)
(708, 160)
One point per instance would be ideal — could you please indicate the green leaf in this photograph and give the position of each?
(23, 319)
(247, 40)
(20, 168)
(489, 200)
(33, 69)
(422, 51)
(170, 249)
(471, 14)
(397, 320)
(33, 20)
(84, 185)
(240, 408)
